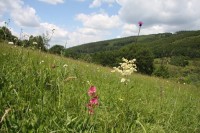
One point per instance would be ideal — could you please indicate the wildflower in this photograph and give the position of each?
(126, 68)
(65, 65)
(90, 106)
(41, 61)
(112, 71)
(121, 99)
(92, 91)
(94, 101)
(34, 43)
(140, 23)
(91, 111)
(123, 80)
(10, 43)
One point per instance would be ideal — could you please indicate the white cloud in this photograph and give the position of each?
(129, 30)
(95, 3)
(25, 16)
(96, 27)
(60, 35)
(159, 16)
(22, 15)
(99, 21)
(58, 32)
(88, 31)
(77, 38)
(170, 12)
(154, 29)
(132, 29)
(2, 8)
(53, 2)
(98, 3)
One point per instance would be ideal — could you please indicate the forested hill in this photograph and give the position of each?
(185, 43)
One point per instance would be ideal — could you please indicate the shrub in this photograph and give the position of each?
(144, 61)
(179, 61)
(161, 71)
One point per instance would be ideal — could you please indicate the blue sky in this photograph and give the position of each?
(82, 21)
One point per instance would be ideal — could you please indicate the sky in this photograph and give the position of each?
(77, 22)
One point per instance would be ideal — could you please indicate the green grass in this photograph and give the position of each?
(189, 74)
(47, 97)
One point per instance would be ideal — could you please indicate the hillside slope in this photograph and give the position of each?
(48, 93)
(164, 44)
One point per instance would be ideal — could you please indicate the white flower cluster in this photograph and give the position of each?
(126, 68)
(65, 65)
(10, 42)
(34, 43)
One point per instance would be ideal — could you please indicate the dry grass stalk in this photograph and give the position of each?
(70, 78)
(4, 115)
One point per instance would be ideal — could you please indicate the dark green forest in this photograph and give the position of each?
(185, 43)
(147, 48)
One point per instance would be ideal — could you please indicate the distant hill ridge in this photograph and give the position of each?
(169, 42)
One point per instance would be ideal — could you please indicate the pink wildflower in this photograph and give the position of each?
(92, 91)
(140, 23)
(94, 101)
(91, 111)
(89, 105)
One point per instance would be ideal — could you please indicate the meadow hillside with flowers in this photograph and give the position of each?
(175, 56)
(41, 92)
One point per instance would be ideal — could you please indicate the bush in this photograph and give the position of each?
(179, 61)
(144, 61)
(162, 71)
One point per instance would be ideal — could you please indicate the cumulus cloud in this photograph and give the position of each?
(99, 21)
(159, 16)
(25, 17)
(77, 38)
(60, 35)
(88, 31)
(129, 30)
(161, 12)
(98, 3)
(21, 14)
(53, 2)
(95, 27)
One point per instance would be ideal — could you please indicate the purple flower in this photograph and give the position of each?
(140, 23)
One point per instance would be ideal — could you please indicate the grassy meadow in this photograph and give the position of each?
(189, 74)
(46, 93)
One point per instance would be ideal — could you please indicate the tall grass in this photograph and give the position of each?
(46, 96)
